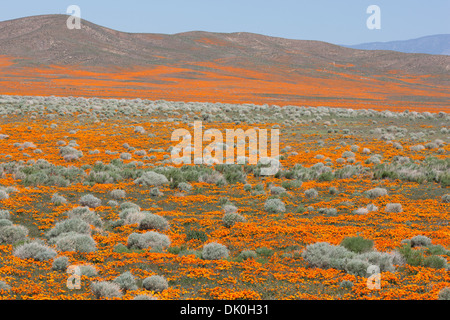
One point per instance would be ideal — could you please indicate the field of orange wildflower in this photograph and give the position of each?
(57, 151)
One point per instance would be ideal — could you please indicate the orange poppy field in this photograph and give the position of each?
(92, 207)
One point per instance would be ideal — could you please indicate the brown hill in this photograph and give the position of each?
(42, 41)
(46, 39)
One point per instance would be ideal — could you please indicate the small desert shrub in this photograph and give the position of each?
(436, 262)
(60, 263)
(229, 208)
(444, 294)
(372, 208)
(128, 205)
(12, 234)
(376, 192)
(229, 219)
(248, 254)
(196, 234)
(393, 207)
(277, 190)
(151, 239)
(418, 147)
(3, 195)
(72, 241)
(356, 267)
(5, 223)
(5, 214)
(446, 198)
(70, 225)
(184, 186)
(34, 250)
(106, 289)
(154, 222)
(140, 153)
(357, 244)
(155, 283)
(151, 179)
(214, 251)
(134, 217)
(139, 129)
(333, 190)
(126, 281)
(118, 194)
(274, 206)
(155, 192)
(346, 284)
(311, 193)
(125, 156)
(58, 200)
(324, 255)
(87, 215)
(327, 211)
(420, 241)
(112, 203)
(4, 286)
(90, 201)
(88, 270)
(361, 211)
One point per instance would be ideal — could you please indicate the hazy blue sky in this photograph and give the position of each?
(341, 22)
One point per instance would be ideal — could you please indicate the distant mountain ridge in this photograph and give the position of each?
(434, 44)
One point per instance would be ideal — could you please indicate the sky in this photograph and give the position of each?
(334, 21)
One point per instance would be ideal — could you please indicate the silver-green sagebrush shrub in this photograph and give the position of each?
(155, 283)
(230, 219)
(444, 294)
(153, 222)
(5, 214)
(126, 281)
(106, 289)
(118, 194)
(58, 200)
(214, 251)
(76, 242)
(376, 192)
(12, 234)
(150, 239)
(420, 241)
(87, 215)
(4, 286)
(311, 193)
(446, 198)
(34, 250)
(324, 255)
(70, 225)
(90, 201)
(393, 208)
(60, 263)
(248, 254)
(274, 206)
(151, 179)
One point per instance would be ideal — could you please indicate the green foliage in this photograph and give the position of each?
(357, 244)
(196, 234)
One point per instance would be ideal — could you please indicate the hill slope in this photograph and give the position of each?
(40, 55)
